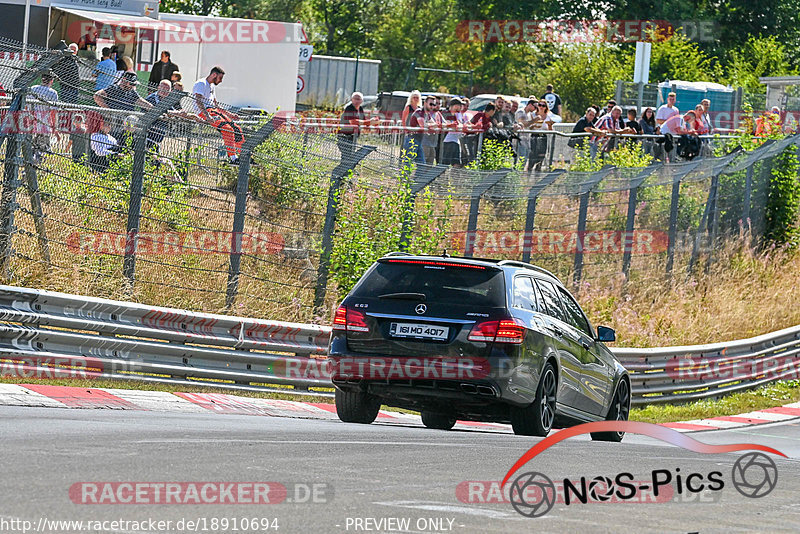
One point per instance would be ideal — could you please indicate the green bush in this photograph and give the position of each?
(783, 200)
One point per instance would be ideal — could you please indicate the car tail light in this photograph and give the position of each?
(502, 331)
(350, 320)
(510, 331)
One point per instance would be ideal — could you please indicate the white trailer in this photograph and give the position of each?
(259, 57)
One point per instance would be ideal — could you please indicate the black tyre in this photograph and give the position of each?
(618, 411)
(438, 421)
(537, 419)
(356, 406)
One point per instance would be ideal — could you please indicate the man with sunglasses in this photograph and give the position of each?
(433, 127)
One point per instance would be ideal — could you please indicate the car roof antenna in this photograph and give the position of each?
(445, 254)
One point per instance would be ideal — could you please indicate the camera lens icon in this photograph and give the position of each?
(754, 475)
(532, 494)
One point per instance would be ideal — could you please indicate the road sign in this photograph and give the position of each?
(301, 84)
(306, 52)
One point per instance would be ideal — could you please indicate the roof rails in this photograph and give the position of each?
(527, 266)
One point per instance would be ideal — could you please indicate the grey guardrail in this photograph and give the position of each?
(44, 333)
(47, 333)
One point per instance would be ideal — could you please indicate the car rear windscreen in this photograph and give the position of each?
(440, 282)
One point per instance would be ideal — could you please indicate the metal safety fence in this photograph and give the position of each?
(57, 335)
(274, 218)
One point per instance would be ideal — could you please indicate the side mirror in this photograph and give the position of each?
(606, 334)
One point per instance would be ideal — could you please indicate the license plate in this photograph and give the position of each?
(419, 331)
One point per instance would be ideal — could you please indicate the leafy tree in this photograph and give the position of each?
(678, 58)
(584, 74)
(760, 56)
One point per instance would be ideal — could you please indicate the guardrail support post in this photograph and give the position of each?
(472, 223)
(137, 181)
(240, 208)
(14, 160)
(337, 179)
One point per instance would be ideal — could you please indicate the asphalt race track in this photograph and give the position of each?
(380, 475)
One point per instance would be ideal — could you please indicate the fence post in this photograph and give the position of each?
(337, 178)
(748, 193)
(14, 160)
(240, 208)
(583, 210)
(618, 92)
(487, 183)
(713, 222)
(36, 200)
(530, 212)
(703, 223)
(424, 175)
(627, 241)
(137, 181)
(673, 209)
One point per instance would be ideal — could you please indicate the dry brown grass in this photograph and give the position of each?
(744, 294)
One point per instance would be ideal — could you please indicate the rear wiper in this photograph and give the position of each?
(403, 296)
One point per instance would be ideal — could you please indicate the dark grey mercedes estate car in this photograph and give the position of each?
(473, 339)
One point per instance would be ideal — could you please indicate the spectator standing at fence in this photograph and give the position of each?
(633, 123)
(521, 119)
(413, 146)
(413, 103)
(67, 73)
(176, 77)
(163, 69)
(433, 127)
(648, 125)
(553, 100)
(586, 125)
(121, 96)
(706, 117)
(44, 96)
(612, 123)
(609, 106)
(105, 71)
(454, 119)
(542, 120)
(158, 130)
(668, 110)
(352, 117)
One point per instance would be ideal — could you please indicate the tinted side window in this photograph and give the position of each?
(552, 304)
(524, 295)
(574, 315)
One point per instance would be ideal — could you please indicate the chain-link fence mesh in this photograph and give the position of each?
(157, 219)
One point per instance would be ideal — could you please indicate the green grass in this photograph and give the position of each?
(767, 396)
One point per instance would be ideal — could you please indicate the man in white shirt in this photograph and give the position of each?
(205, 101)
(667, 110)
(103, 147)
(204, 90)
